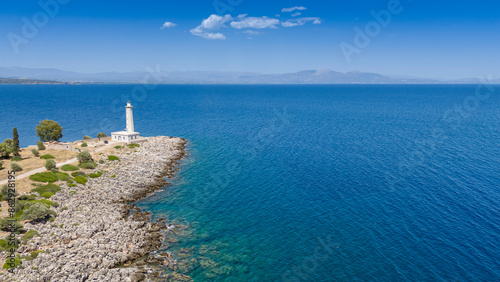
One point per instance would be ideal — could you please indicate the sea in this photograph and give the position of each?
(307, 182)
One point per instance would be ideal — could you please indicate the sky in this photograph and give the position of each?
(418, 38)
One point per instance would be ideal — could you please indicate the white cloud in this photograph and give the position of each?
(254, 22)
(288, 10)
(296, 14)
(168, 25)
(300, 21)
(252, 32)
(212, 23)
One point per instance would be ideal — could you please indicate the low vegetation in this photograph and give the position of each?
(95, 175)
(81, 180)
(84, 144)
(50, 177)
(133, 145)
(69, 167)
(47, 156)
(113, 158)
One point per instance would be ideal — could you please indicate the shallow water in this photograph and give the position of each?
(312, 183)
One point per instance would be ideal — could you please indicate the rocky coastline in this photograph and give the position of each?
(99, 234)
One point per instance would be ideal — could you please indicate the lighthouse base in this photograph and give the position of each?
(124, 136)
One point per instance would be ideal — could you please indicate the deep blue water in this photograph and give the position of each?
(309, 183)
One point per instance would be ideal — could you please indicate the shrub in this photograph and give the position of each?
(113, 158)
(17, 159)
(15, 167)
(35, 152)
(50, 164)
(84, 144)
(4, 150)
(71, 193)
(51, 188)
(6, 223)
(133, 145)
(29, 235)
(1, 165)
(78, 173)
(6, 194)
(47, 195)
(69, 167)
(49, 130)
(47, 156)
(86, 137)
(54, 204)
(8, 264)
(64, 208)
(118, 147)
(113, 176)
(84, 157)
(40, 145)
(81, 180)
(101, 161)
(88, 165)
(72, 185)
(27, 198)
(37, 212)
(95, 175)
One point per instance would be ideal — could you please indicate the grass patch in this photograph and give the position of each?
(47, 156)
(16, 159)
(133, 145)
(69, 167)
(118, 147)
(72, 185)
(113, 158)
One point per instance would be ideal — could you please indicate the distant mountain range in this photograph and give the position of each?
(18, 75)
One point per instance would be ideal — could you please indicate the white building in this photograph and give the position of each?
(128, 135)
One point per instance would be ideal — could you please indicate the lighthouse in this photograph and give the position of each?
(129, 134)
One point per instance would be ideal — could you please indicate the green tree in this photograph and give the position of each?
(15, 146)
(49, 130)
(84, 157)
(4, 150)
(50, 164)
(101, 135)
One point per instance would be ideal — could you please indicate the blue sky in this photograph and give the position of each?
(438, 39)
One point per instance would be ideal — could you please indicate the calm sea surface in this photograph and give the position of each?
(308, 183)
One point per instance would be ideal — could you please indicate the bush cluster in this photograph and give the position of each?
(47, 156)
(95, 175)
(84, 144)
(88, 165)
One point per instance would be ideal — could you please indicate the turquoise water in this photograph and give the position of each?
(309, 183)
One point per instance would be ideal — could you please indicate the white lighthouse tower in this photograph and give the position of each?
(129, 134)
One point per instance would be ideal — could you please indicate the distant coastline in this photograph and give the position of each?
(15, 75)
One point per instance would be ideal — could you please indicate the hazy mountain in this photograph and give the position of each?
(209, 77)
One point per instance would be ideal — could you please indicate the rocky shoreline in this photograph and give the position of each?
(98, 233)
